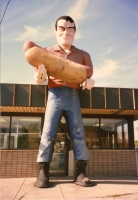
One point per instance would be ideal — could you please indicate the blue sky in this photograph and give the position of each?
(107, 29)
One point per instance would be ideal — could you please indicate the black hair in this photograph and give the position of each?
(67, 18)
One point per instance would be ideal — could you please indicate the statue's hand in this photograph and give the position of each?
(40, 74)
(88, 84)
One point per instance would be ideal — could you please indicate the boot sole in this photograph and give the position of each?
(84, 185)
(41, 186)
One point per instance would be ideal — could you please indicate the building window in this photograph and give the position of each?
(91, 126)
(114, 134)
(106, 133)
(4, 131)
(125, 140)
(25, 132)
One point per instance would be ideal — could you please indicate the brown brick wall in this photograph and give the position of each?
(109, 163)
(22, 163)
(18, 163)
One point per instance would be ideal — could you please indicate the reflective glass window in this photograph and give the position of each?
(126, 145)
(135, 123)
(91, 126)
(25, 132)
(4, 131)
(114, 134)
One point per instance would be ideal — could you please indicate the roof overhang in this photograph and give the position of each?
(24, 98)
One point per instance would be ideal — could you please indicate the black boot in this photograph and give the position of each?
(43, 175)
(80, 175)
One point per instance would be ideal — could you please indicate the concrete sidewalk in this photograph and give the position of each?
(63, 188)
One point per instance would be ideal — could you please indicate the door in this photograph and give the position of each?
(59, 162)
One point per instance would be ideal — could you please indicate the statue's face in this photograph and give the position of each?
(65, 32)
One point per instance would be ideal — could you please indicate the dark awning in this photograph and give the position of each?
(25, 98)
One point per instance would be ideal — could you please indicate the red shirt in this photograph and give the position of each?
(76, 55)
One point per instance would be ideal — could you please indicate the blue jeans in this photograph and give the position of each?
(62, 99)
